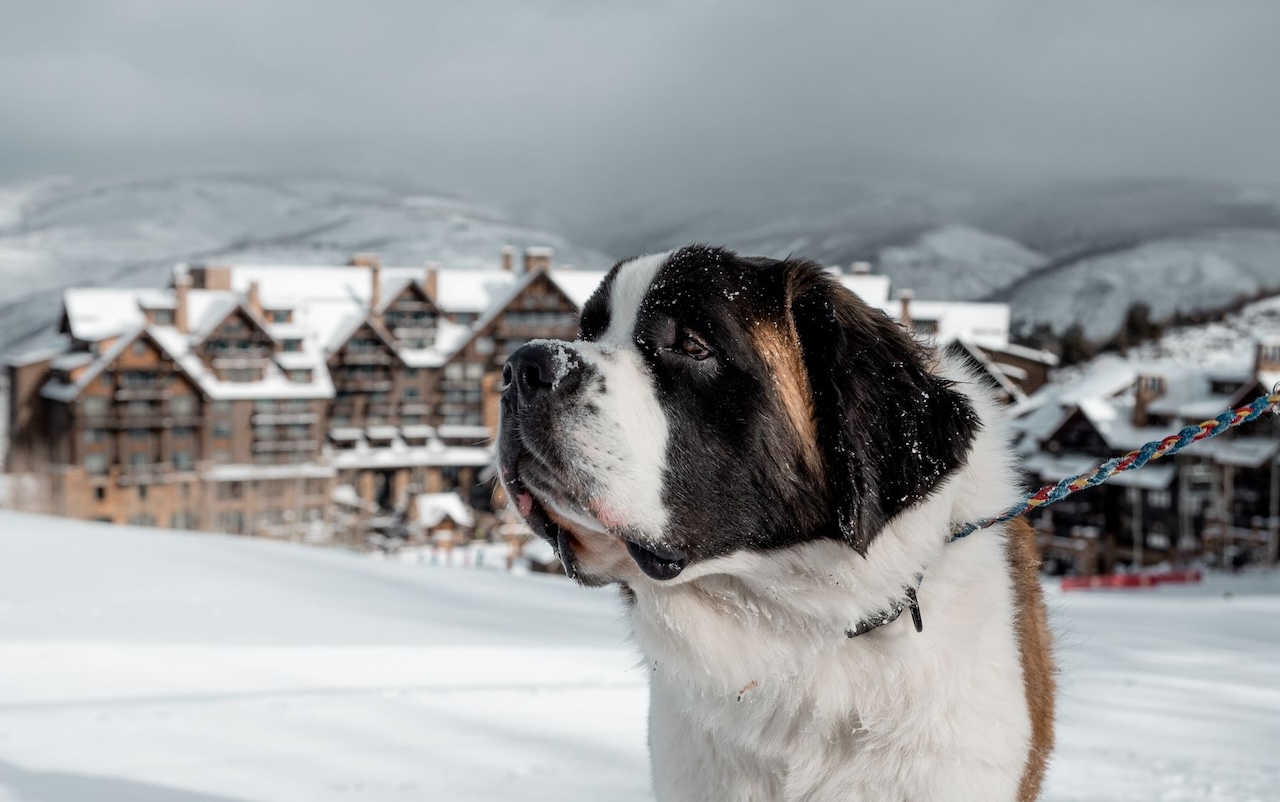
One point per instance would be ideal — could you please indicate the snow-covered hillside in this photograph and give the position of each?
(1229, 344)
(1062, 254)
(958, 262)
(57, 233)
(1209, 271)
(155, 666)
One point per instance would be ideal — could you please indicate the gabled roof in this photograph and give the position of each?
(67, 392)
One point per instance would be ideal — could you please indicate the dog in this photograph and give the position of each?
(769, 469)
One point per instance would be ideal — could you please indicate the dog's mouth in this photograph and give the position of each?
(657, 562)
(565, 525)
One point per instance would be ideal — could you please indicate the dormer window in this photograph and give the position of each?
(162, 317)
(277, 315)
(299, 376)
(292, 345)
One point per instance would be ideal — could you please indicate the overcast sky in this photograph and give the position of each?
(593, 99)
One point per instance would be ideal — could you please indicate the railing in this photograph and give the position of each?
(262, 418)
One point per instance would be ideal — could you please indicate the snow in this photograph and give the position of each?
(959, 262)
(432, 508)
(174, 667)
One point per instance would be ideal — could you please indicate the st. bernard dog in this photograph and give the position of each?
(769, 469)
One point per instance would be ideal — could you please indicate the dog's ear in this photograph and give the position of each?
(889, 430)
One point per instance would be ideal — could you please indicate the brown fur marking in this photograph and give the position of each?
(780, 348)
(1031, 624)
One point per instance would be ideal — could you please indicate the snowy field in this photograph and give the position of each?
(150, 666)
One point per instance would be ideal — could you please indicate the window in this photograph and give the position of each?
(264, 406)
(183, 432)
(411, 373)
(139, 434)
(291, 345)
(95, 464)
(142, 492)
(229, 490)
(92, 436)
(182, 460)
(100, 493)
(222, 407)
(221, 431)
(139, 347)
(163, 317)
(1159, 499)
(278, 315)
(222, 456)
(299, 376)
(475, 371)
(142, 519)
(484, 346)
(182, 406)
(139, 459)
(105, 378)
(411, 394)
(96, 407)
(453, 371)
(138, 409)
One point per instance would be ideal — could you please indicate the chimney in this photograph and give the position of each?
(1148, 388)
(905, 297)
(431, 281)
(375, 291)
(862, 268)
(181, 286)
(508, 258)
(365, 260)
(255, 298)
(209, 277)
(537, 258)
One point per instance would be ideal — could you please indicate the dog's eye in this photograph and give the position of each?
(692, 346)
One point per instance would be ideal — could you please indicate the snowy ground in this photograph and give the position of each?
(151, 666)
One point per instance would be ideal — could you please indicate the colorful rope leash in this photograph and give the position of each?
(1134, 459)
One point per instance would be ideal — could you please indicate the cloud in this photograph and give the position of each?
(584, 102)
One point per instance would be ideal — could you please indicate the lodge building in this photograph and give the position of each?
(284, 400)
(1217, 499)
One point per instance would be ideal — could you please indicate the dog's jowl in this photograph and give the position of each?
(769, 469)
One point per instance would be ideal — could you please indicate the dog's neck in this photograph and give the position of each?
(814, 593)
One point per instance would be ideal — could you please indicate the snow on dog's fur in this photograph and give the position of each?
(762, 463)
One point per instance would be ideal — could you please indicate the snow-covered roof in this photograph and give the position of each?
(870, 287)
(434, 508)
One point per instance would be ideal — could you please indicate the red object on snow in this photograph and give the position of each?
(1130, 580)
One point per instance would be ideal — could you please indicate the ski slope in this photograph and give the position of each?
(154, 666)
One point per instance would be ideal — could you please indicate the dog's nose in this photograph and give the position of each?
(529, 372)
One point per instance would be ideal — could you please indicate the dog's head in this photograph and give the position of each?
(714, 404)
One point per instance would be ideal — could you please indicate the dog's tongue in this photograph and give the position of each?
(524, 503)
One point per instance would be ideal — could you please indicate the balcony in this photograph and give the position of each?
(268, 418)
(536, 331)
(367, 356)
(366, 385)
(153, 473)
(285, 445)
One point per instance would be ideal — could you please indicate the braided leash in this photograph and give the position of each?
(1134, 459)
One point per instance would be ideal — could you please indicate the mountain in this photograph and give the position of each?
(1060, 254)
(60, 232)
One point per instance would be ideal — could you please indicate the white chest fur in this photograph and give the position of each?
(757, 693)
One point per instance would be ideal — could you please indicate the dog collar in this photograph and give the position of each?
(890, 615)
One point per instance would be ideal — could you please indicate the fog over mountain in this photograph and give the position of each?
(970, 150)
